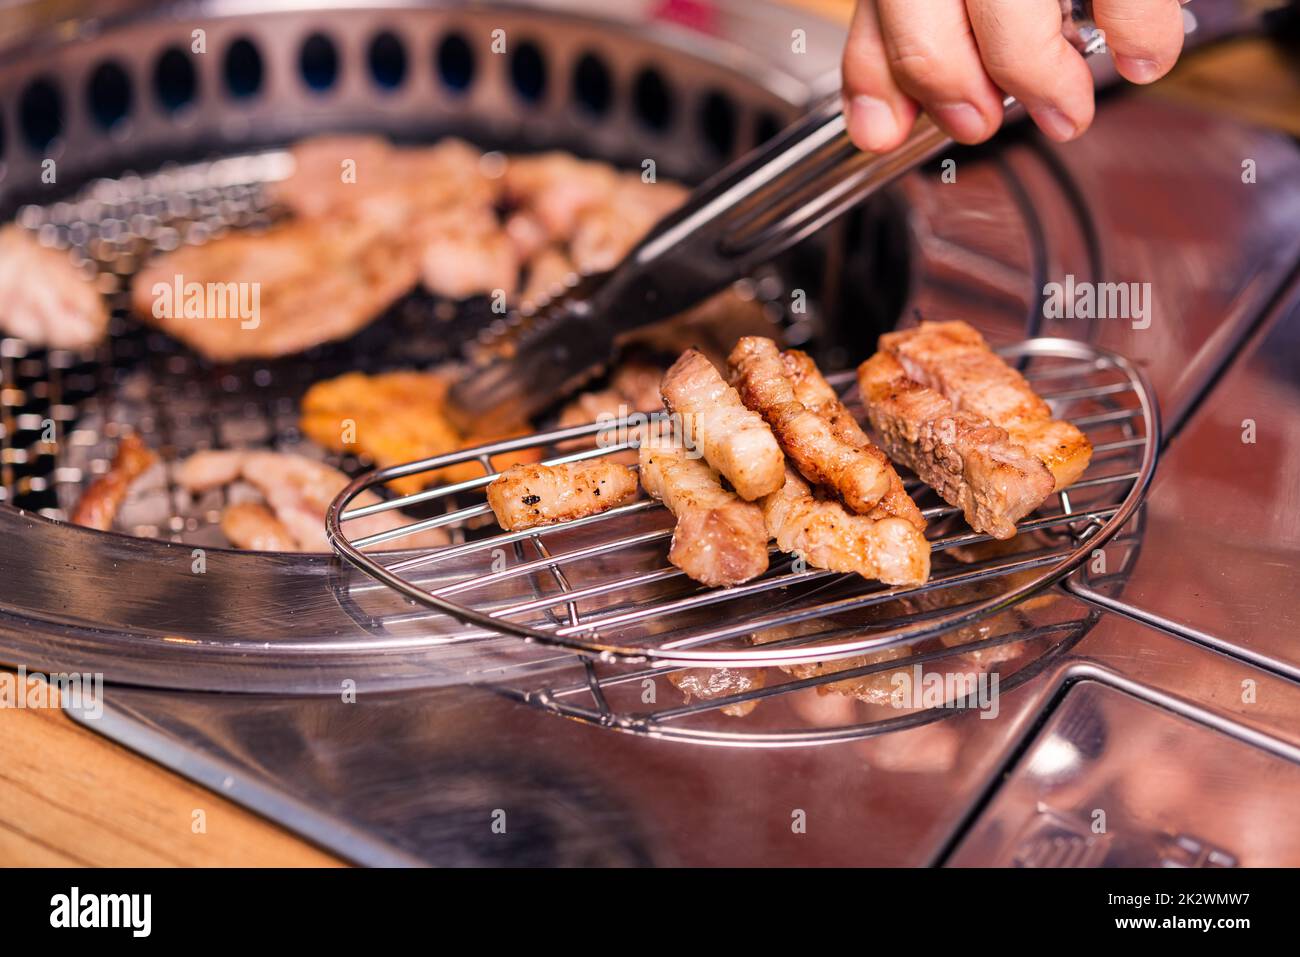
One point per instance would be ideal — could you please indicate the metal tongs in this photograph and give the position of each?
(764, 203)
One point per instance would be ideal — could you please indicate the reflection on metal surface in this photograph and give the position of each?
(407, 770)
(1224, 518)
(1114, 781)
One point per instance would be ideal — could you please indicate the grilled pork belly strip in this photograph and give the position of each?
(720, 539)
(528, 495)
(964, 457)
(953, 359)
(99, 503)
(827, 535)
(734, 440)
(815, 447)
(820, 398)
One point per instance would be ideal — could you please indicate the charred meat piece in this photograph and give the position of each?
(528, 495)
(463, 261)
(297, 492)
(707, 684)
(392, 418)
(638, 381)
(254, 527)
(860, 479)
(100, 501)
(953, 359)
(556, 188)
(274, 293)
(734, 440)
(437, 199)
(333, 174)
(549, 270)
(720, 539)
(420, 190)
(634, 387)
(826, 535)
(819, 397)
(605, 232)
(968, 460)
(44, 300)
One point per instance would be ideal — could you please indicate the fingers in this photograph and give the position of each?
(878, 112)
(1145, 36)
(934, 59)
(1025, 54)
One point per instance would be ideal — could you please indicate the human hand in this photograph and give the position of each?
(951, 58)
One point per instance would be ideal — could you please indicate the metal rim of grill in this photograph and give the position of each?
(1123, 405)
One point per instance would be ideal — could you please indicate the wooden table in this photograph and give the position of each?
(71, 797)
(68, 796)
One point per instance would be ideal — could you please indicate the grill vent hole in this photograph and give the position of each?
(592, 87)
(387, 60)
(40, 114)
(455, 60)
(318, 62)
(109, 95)
(767, 126)
(175, 81)
(528, 71)
(243, 69)
(718, 123)
(653, 100)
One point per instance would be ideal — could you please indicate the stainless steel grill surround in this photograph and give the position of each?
(748, 58)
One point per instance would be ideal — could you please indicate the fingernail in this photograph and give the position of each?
(1137, 69)
(871, 122)
(1054, 123)
(962, 120)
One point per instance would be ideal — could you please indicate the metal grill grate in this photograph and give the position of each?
(602, 585)
(62, 412)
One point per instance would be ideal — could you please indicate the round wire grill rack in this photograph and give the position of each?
(602, 586)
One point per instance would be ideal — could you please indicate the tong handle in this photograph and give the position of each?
(771, 199)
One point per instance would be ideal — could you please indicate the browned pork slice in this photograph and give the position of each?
(555, 188)
(274, 293)
(253, 526)
(366, 178)
(720, 539)
(826, 535)
(528, 495)
(969, 461)
(734, 440)
(953, 359)
(44, 300)
(858, 477)
(812, 389)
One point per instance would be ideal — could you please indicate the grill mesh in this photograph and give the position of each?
(62, 412)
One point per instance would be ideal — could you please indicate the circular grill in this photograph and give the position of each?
(119, 136)
(133, 95)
